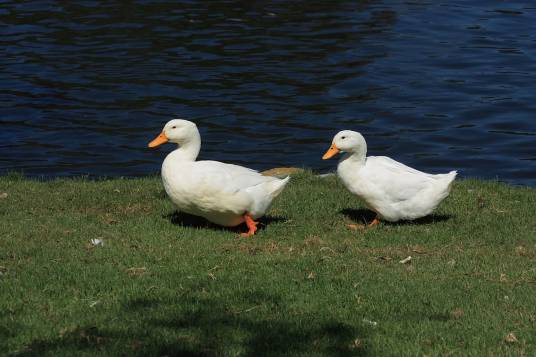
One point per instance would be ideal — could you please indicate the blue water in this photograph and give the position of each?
(85, 85)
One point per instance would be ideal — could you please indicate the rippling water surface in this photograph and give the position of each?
(85, 85)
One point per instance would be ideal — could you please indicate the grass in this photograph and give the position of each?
(166, 284)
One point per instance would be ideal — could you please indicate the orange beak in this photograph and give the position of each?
(160, 139)
(333, 150)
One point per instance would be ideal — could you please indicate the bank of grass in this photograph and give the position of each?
(163, 284)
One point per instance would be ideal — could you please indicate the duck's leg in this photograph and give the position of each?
(252, 225)
(375, 222)
(355, 227)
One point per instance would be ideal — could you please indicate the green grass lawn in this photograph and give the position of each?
(306, 284)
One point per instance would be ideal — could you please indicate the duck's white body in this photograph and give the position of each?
(393, 190)
(221, 193)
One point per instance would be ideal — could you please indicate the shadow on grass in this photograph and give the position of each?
(9, 328)
(258, 324)
(365, 216)
(187, 220)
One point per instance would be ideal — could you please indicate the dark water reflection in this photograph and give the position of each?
(86, 84)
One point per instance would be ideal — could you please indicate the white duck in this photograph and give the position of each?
(391, 189)
(222, 193)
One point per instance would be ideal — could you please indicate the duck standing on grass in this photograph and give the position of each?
(391, 189)
(224, 194)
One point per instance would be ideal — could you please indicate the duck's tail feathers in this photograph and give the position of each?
(452, 175)
(264, 194)
(449, 179)
(278, 185)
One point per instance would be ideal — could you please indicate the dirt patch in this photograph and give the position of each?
(282, 171)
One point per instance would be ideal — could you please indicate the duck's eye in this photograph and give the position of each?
(173, 127)
(344, 137)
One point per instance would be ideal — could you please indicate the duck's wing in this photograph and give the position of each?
(396, 181)
(222, 177)
(394, 166)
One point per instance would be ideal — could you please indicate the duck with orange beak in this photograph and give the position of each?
(225, 194)
(391, 189)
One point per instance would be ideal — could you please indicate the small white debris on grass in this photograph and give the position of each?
(510, 338)
(357, 344)
(94, 303)
(327, 248)
(405, 260)
(371, 323)
(97, 242)
(3, 195)
(136, 272)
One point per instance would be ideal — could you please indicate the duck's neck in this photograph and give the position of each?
(353, 159)
(188, 151)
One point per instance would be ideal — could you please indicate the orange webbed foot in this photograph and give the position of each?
(375, 222)
(355, 227)
(252, 226)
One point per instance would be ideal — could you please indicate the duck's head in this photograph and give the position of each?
(346, 141)
(178, 131)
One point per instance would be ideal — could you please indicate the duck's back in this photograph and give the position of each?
(398, 191)
(396, 180)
